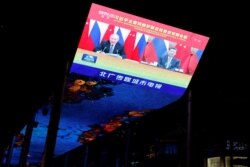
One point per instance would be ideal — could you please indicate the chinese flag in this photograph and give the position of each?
(139, 49)
(135, 55)
(192, 64)
(108, 32)
(183, 53)
(85, 35)
(129, 44)
(149, 54)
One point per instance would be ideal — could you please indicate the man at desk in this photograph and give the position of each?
(168, 60)
(111, 47)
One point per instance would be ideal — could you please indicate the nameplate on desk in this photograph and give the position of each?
(114, 55)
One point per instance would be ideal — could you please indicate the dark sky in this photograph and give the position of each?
(39, 36)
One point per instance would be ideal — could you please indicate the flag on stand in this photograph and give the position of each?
(109, 31)
(121, 39)
(85, 35)
(140, 46)
(94, 37)
(183, 53)
(193, 62)
(129, 44)
(159, 47)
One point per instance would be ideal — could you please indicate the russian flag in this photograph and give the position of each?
(121, 40)
(140, 46)
(94, 37)
(159, 47)
(199, 54)
(123, 33)
(154, 50)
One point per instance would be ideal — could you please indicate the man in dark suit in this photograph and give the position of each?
(111, 47)
(168, 60)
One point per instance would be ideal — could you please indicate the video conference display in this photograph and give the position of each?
(124, 67)
(141, 52)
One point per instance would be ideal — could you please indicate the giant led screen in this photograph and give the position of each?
(148, 58)
(124, 67)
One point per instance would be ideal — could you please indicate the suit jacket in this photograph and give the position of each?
(175, 63)
(105, 46)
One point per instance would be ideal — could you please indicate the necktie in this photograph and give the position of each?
(168, 62)
(111, 49)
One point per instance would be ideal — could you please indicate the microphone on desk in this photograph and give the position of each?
(104, 49)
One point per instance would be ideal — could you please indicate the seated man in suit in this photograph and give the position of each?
(168, 60)
(112, 46)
